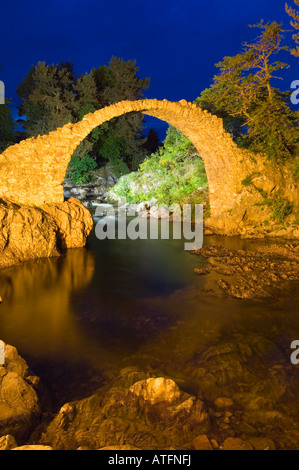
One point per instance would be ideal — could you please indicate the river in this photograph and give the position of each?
(80, 318)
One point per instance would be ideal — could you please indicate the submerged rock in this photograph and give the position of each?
(149, 414)
(28, 233)
(262, 443)
(156, 390)
(223, 402)
(248, 274)
(202, 443)
(235, 443)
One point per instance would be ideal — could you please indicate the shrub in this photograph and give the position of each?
(169, 175)
(79, 169)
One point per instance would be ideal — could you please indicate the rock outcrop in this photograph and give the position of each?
(19, 404)
(152, 413)
(28, 232)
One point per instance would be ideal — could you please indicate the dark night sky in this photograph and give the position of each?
(175, 42)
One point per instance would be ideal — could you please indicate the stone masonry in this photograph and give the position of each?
(32, 172)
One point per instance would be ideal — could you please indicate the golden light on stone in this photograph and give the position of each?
(32, 172)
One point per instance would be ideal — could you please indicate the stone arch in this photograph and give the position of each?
(32, 172)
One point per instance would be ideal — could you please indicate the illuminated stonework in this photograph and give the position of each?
(32, 172)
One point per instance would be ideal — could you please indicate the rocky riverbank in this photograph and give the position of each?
(28, 232)
(246, 400)
(96, 190)
(251, 274)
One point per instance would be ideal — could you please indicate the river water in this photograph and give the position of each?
(80, 318)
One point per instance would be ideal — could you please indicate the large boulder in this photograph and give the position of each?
(19, 405)
(74, 222)
(28, 232)
(152, 413)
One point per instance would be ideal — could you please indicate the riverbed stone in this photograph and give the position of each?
(262, 443)
(125, 447)
(223, 402)
(235, 443)
(249, 274)
(202, 442)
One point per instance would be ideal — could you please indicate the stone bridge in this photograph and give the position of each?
(32, 172)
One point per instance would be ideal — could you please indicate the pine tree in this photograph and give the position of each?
(243, 93)
(52, 95)
(122, 137)
(152, 142)
(294, 14)
(48, 98)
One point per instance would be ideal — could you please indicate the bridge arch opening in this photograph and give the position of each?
(32, 172)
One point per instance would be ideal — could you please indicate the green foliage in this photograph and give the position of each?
(248, 180)
(52, 95)
(216, 100)
(170, 175)
(294, 16)
(296, 170)
(256, 114)
(47, 97)
(280, 207)
(79, 169)
(7, 136)
(116, 82)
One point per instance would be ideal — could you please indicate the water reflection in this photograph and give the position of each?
(80, 318)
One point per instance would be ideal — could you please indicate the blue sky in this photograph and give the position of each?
(175, 43)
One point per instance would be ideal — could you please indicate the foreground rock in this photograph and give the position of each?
(7, 442)
(19, 405)
(33, 447)
(28, 233)
(248, 274)
(151, 413)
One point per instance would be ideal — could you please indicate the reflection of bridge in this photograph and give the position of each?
(32, 171)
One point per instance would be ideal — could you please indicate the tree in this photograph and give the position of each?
(52, 95)
(258, 114)
(116, 82)
(47, 94)
(7, 136)
(7, 124)
(294, 14)
(152, 142)
(177, 146)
